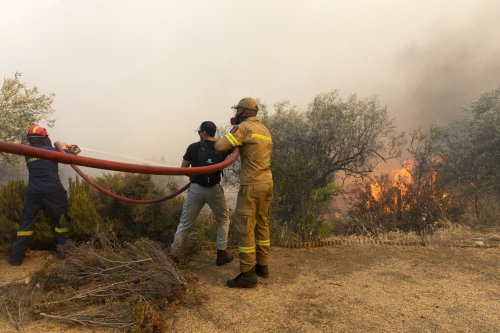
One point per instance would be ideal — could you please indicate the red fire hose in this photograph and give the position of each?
(116, 166)
(111, 165)
(117, 196)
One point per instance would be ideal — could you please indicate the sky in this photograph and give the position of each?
(136, 78)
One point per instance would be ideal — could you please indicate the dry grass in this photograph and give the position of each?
(352, 288)
(342, 288)
(441, 233)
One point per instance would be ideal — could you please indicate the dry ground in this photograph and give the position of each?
(351, 288)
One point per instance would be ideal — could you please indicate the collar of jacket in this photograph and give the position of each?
(253, 118)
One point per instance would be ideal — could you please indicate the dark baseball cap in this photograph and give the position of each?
(209, 127)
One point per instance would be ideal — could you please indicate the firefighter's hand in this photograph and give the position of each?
(61, 144)
(73, 148)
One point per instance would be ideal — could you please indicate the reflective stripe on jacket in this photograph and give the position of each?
(256, 146)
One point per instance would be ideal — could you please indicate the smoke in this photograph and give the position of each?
(452, 68)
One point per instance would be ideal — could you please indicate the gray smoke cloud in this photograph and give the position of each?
(452, 68)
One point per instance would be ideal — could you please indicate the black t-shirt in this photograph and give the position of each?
(191, 156)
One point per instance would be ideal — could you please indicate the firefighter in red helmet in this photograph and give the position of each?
(46, 192)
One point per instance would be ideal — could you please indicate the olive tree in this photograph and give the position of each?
(470, 156)
(20, 107)
(314, 150)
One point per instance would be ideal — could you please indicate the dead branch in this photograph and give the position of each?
(104, 283)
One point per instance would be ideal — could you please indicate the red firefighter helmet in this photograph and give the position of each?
(36, 131)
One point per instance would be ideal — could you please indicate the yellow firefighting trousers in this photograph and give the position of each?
(252, 224)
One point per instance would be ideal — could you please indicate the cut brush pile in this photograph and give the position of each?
(102, 283)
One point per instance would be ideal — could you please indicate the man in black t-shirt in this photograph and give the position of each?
(204, 189)
(46, 192)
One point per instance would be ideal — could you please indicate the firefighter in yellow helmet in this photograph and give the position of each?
(255, 193)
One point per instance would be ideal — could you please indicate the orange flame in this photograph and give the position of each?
(403, 175)
(395, 196)
(376, 191)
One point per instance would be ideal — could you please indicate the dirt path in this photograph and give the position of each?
(353, 288)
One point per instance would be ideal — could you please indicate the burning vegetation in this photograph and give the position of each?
(403, 199)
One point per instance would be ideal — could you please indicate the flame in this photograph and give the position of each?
(399, 195)
(403, 176)
(402, 179)
(434, 176)
(376, 191)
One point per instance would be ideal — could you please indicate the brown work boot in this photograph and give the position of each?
(262, 271)
(244, 280)
(223, 257)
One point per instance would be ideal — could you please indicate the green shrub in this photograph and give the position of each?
(43, 236)
(92, 211)
(85, 220)
(206, 227)
(12, 196)
(11, 206)
(133, 221)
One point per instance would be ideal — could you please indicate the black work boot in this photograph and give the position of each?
(13, 262)
(244, 280)
(223, 257)
(60, 252)
(262, 271)
(173, 254)
(60, 255)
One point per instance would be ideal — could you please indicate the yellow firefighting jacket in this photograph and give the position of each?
(256, 145)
